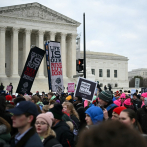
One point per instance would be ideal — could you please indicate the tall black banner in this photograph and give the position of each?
(30, 70)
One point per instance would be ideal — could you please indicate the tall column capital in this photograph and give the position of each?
(63, 34)
(15, 30)
(2, 28)
(41, 32)
(28, 31)
(52, 35)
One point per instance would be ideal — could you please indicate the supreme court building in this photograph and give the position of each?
(22, 26)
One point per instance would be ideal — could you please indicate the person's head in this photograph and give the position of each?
(134, 96)
(57, 112)
(44, 123)
(24, 114)
(69, 108)
(111, 134)
(104, 98)
(122, 97)
(50, 94)
(10, 83)
(19, 99)
(129, 117)
(77, 100)
(94, 115)
(28, 98)
(127, 103)
(143, 95)
(116, 112)
(68, 98)
(35, 99)
(45, 108)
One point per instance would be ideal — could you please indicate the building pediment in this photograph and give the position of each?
(36, 11)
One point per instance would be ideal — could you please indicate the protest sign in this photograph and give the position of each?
(71, 87)
(85, 89)
(30, 70)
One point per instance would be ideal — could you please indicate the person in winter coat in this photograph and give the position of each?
(24, 117)
(142, 116)
(69, 108)
(62, 130)
(136, 102)
(106, 103)
(5, 129)
(81, 110)
(94, 115)
(43, 127)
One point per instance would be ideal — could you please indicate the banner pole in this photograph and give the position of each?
(84, 44)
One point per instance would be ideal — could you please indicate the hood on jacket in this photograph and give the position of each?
(95, 113)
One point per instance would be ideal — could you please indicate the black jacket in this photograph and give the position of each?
(63, 134)
(30, 139)
(136, 103)
(81, 111)
(142, 118)
(75, 121)
(51, 141)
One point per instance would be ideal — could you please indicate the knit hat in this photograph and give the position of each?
(145, 101)
(123, 95)
(144, 94)
(8, 97)
(127, 102)
(119, 109)
(48, 117)
(69, 97)
(105, 96)
(116, 102)
(57, 111)
(95, 113)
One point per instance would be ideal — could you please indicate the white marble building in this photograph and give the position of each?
(108, 68)
(138, 72)
(22, 26)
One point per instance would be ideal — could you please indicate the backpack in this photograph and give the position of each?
(111, 106)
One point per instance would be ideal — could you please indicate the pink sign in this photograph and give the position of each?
(9, 88)
(71, 87)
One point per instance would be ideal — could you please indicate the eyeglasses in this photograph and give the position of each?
(41, 123)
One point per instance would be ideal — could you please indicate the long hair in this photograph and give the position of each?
(71, 108)
(50, 132)
(131, 113)
(4, 122)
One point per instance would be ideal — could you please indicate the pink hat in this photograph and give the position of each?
(123, 95)
(117, 103)
(48, 117)
(144, 94)
(127, 102)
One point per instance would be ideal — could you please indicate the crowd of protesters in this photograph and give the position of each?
(50, 120)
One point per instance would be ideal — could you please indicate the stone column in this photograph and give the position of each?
(41, 45)
(63, 53)
(2, 52)
(52, 36)
(27, 44)
(15, 53)
(73, 54)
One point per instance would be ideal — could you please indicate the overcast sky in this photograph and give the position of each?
(113, 26)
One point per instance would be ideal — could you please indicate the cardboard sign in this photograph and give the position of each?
(85, 89)
(9, 88)
(71, 87)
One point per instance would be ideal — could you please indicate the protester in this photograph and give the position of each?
(24, 117)
(69, 108)
(27, 97)
(80, 109)
(45, 108)
(94, 115)
(129, 117)
(11, 92)
(111, 134)
(62, 130)
(116, 112)
(18, 99)
(43, 126)
(106, 103)
(50, 94)
(142, 116)
(136, 102)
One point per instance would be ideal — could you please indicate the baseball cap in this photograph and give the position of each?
(24, 107)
